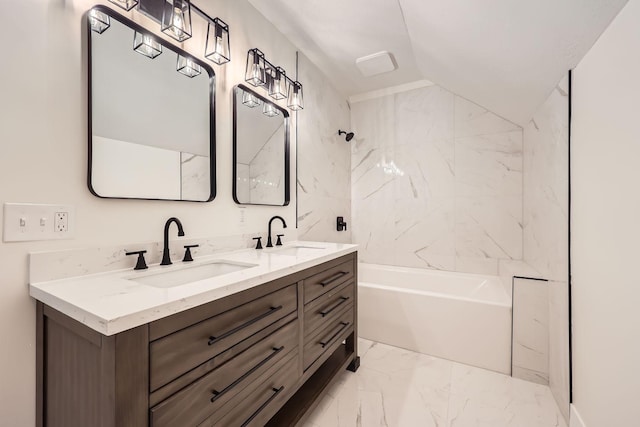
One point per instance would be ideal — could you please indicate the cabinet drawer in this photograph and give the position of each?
(325, 308)
(182, 351)
(335, 331)
(256, 407)
(207, 395)
(322, 282)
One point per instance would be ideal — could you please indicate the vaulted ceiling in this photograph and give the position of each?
(505, 55)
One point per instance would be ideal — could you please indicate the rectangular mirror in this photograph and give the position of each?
(260, 150)
(151, 115)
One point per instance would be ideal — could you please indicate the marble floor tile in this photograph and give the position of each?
(398, 387)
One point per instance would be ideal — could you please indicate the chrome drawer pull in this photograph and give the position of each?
(342, 328)
(332, 279)
(338, 304)
(218, 394)
(264, 405)
(213, 340)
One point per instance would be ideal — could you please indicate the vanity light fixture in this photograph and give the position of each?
(146, 45)
(125, 4)
(250, 100)
(296, 100)
(217, 47)
(270, 110)
(188, 67)
(255, 73)
(261, 72)
(99, 21)
(176, 19)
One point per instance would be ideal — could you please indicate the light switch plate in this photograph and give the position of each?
(29, 222)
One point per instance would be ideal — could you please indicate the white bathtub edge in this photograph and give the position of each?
(502, 299)
(506, 304)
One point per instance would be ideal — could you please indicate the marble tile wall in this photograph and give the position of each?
(196, 178)
(530, 345)
(546, 224)
(546, 186)
(243, 189)
(436, 182)
(266, 173)
(324, 166)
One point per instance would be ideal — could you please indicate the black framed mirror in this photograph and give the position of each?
(151, 115)
(260, 150)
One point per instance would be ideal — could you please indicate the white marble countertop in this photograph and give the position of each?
(114, 302)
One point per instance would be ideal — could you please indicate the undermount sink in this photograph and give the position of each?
(296, 250)
(170, 279)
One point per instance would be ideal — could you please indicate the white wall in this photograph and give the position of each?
(605, 151)
(43, 159)
(437, 182)
(266, 171)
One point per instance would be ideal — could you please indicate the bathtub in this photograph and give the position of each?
(457, 316)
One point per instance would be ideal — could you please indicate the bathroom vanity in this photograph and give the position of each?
(251, 347)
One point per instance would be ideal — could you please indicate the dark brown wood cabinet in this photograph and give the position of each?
(259, 357)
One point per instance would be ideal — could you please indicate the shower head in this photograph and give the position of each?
(349, 135)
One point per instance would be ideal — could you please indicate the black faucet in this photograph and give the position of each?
(284, 225)
(166, 259)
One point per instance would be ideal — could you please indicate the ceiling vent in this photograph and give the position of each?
(377, 63)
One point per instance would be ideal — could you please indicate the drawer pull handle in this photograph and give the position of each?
(343, 326)
(276, 391)
(338, 304)
(213, 340)
(218, 394)
(330, 280)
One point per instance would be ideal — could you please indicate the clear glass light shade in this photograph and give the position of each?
(146, 45)
(99, 21)
(278, 84)
(217, 47)
(188, 67)
(255, 73)
(250, 100)
(125, 4)
(270, 110)
(295, 101)
(176, 19)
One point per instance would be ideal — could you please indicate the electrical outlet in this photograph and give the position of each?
(61, 222)
(28, 222)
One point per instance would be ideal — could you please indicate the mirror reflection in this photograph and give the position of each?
(151, 115)
(261, 150)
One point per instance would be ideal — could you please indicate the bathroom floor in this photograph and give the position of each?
(397, 387)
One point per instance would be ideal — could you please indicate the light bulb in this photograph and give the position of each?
(177, 22)
(256, 75)
(216, 52)
(146, 44)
